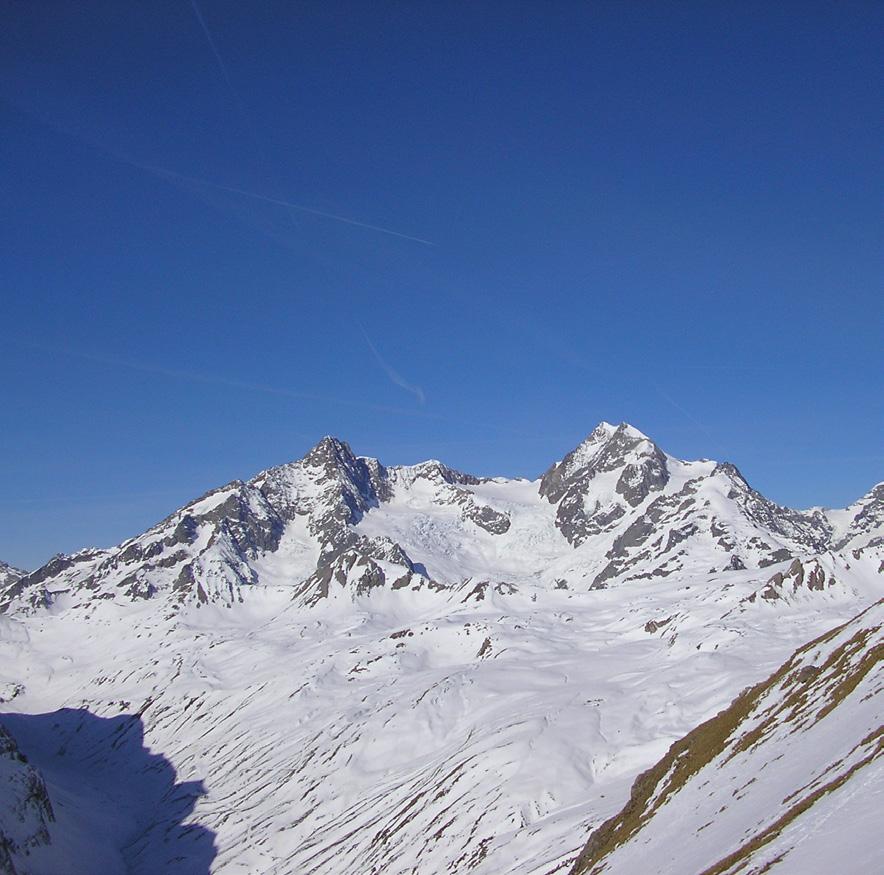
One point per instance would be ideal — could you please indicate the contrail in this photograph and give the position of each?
(171, 174)
(83, 499)
(394, 375)
(715, 443)
(161, 171)
(238, 101)
(196, 377)
(221, 65)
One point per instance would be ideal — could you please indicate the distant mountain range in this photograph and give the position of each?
(614, 509)
(355, 668)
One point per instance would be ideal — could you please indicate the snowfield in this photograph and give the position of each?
(788, 777)
(338, 667)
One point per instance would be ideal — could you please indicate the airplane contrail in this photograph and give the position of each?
(196, 377)
(221, 65)
(161, 171)
(238, 101)
(714, 441)
(395, 377)
(171, 174)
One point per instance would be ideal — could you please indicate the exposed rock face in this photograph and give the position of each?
(451, 488)
(9, 574)
(798, 577)
(642, 541)
(332, 487)
(810, 529)
(9, 579)
(640, 466)
(26, 811)
(721, 511)
(58, 570)
(493, 521)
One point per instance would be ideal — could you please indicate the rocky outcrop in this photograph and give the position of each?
(10, 578)
(9, 574)
(332, 487)
(810, 578)
(451, 488)
(810, 529)
(717, 513)
(863, 528)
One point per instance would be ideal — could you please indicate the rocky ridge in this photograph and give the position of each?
(614, 509)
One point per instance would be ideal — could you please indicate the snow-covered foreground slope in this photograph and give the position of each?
(408, 732)
(338, 667)
(789, 777)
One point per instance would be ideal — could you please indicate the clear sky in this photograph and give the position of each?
(465, 231)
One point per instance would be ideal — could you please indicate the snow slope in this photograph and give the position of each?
(789, 777)
(339, 667)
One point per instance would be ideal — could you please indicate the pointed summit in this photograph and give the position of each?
(606, 448)
(605, 430)
(600, 433)
(613, 470)
(330, 450)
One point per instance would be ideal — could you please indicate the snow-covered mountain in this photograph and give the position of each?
(342, 667)
(616, 508)
(9, 575)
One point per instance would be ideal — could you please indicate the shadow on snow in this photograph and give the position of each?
(116, 804)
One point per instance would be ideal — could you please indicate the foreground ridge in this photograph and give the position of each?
(807, 738)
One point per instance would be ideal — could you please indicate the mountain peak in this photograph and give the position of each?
(618, 465)
(329, 450)
(629, 430)
(609, 445)
(601, 432)
(605, 430)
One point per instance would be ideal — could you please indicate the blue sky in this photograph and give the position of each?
(547, 215)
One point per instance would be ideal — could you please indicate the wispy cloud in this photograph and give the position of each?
(92, 499)
(394, 376)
